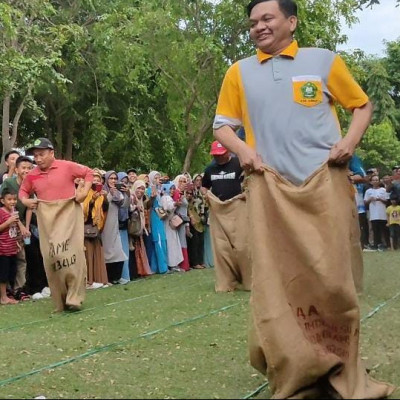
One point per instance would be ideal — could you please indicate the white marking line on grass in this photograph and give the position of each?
(363, 319)
(60, 315)
(379, 307)
(113, 345)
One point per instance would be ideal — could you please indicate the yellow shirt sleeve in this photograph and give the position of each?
(229, 101)
(345, 90)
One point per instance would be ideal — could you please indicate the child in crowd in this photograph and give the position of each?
(393, 213)
(9, 246)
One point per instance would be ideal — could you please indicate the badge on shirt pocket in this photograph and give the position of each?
(307, 90)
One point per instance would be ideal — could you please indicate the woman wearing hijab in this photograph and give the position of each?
(95, 207)
(123, 216)
(139, 202)
(113, 252)
(158, 260)
(181, 203)
(175, 256)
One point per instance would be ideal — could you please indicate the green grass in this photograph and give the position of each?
(168, 337)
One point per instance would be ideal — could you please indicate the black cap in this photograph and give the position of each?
(370, 171)
(131, 170)
(41, 143)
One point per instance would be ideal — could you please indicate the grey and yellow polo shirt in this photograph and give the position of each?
(286, 106)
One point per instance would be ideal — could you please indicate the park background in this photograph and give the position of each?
(133, 83)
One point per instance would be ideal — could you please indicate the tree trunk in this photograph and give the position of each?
(9, 138)
(70, 139)
(194, 142)
(5, 130)
(59, 136)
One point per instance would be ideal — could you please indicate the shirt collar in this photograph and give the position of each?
(55, 164)
(290, 52)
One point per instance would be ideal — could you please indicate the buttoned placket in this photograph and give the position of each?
(276, 68)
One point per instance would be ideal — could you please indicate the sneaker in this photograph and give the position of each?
(123, 281)
(95, 285)
(368, 249)
(46, 292)
(37, 296)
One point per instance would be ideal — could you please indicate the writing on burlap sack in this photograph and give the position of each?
(61, 226)
(332, 337)
(61, 254)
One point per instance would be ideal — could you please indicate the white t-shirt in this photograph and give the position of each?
(377, 209)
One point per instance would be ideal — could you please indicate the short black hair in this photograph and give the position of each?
(7, 191)
(22, 159)
(8, 154)
(288, 7)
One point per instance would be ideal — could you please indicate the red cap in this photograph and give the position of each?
(217, 149)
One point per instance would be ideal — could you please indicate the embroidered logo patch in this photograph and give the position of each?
(309, 90)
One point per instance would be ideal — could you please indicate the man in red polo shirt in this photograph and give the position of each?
(60, 221)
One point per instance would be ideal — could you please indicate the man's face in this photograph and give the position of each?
(386, 179)
(270, 29)
(11, 160)
(43, 158)
(23, 168)
(222, 159)
(132, 176)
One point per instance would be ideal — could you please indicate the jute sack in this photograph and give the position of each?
(228, 222)
(305, 312)
(62, 246)
(357, 265)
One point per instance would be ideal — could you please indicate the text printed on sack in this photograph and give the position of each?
(332, 337)
(57, 250)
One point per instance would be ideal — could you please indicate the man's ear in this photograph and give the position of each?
(293, 23)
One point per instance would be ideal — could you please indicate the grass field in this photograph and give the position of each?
(169, 337)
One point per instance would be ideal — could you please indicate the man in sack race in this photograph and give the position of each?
(228, 219)
(305, 312)
(60, 221)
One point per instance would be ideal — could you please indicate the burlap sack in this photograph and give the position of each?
(228, 222)
(305, 311)
(61, 236)
(357, 265)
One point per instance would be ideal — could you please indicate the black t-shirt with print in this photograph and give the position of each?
(224, 180)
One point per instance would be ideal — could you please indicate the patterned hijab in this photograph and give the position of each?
(107, 176)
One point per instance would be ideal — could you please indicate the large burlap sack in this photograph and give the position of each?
(357, 265)
(62, 245)
(305, 312)
(228, 222)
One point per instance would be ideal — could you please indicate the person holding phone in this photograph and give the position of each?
(95, 207)
(157, 251)
(114, 254)
(123, 217)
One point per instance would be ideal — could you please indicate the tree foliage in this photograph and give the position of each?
(380, 147)
(133, 83)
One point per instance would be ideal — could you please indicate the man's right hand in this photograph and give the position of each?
(250, 160)
(30, 203)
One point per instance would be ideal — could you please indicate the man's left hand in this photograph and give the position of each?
(341, 152)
